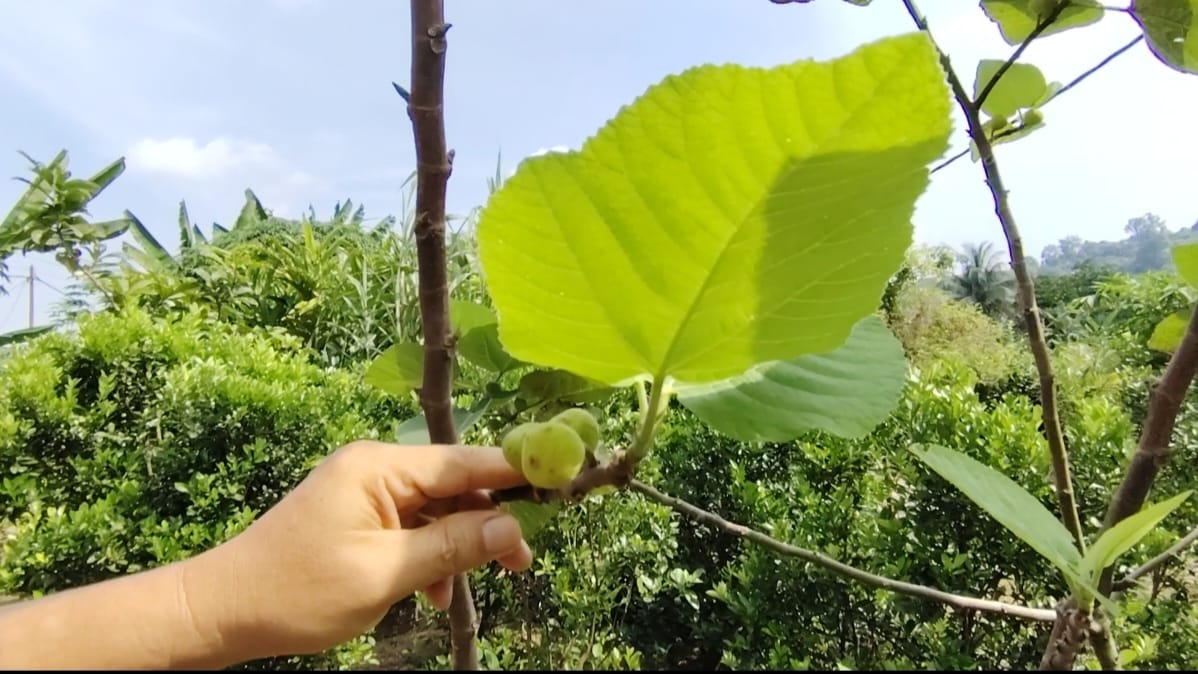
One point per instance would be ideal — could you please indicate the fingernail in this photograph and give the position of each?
(501, 534)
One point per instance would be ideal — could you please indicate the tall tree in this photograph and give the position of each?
(983, 278)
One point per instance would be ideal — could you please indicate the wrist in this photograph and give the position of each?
(213, 599)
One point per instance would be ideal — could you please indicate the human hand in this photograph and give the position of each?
(325, 563)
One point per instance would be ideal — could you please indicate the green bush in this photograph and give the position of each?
(934, 327)
(138, 442)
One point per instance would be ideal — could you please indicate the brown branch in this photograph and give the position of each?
(1027, 294)
(1103, 642)
(433, 166)
(1164, 404)
(1158, 562)
(956, 601)
(1069, 632)
(1071, 628)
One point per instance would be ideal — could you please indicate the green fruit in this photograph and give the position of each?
(1032, 118)
(553, 455)
(513, 445)
(583, 424)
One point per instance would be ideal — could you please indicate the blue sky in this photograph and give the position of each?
(292, 98)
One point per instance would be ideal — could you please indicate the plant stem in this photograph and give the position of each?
(1027, 295)
(434, 164)
(1103, 643)
(957, 601)
(1165, 402)
(650, 417)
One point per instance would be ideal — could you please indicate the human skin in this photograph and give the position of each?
(371, 524)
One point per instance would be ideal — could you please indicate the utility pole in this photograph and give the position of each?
(32, 278)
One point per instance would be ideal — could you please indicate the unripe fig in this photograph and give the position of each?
(553, 455)
(1032, 118)
(513, 445)
(583, 424)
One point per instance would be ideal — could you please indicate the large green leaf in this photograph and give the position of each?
(1021, 86)
(1185, 258)
(1007, 502)
(729, 216)
(1167, 334)
(1124, 535)
(1171, 28)
(251, 212)
(846, 392)
(1017, 19)
(397, 370)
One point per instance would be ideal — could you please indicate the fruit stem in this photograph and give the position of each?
(651, 415)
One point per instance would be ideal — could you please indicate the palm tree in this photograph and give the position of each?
(984, 279)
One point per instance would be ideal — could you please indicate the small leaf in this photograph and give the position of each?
(466, 316)
(397, 370)
(481, 346)
(532, 516)
(1017, 19)
(1170, 28)
(1007, 502)
(1169, 332)
(561, 385)
(1125, 535)
(1021, 86)
(846, 392)
(1185, 258)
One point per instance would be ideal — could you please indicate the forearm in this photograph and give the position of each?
(142, 621)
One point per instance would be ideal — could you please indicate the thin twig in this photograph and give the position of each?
(1155, 563)
(956, 601)
(433, 166)
(1072, 83)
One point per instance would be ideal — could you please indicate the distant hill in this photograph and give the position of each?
(1146, 248)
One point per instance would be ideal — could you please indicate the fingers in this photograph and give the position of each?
(455, 544)
(416, 475)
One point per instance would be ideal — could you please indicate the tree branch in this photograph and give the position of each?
(956, 601)
(1155, 563)
(433, 166)
(1165, 402)
(1027, 295)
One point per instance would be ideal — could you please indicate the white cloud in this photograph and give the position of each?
(187, 158)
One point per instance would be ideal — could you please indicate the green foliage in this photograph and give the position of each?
(1170, 27)
(933, 327)
(139, 441)
(570, 245)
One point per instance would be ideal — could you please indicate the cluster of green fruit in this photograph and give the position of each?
(551, 453)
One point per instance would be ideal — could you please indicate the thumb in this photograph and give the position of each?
(453, 544)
